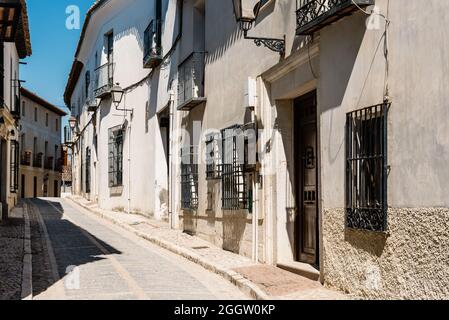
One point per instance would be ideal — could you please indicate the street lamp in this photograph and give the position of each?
(246, 13)
(10, 11)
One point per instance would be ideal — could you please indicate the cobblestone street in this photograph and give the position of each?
(79, 256)
(11, 255)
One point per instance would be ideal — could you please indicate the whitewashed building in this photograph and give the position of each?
(15, 44)
(349, 186)
(41, 150)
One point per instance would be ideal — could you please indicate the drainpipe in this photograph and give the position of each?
(170, 161)
(129, 167)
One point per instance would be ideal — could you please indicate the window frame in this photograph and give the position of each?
(189, 178)
(14, 166)
(213, 151)
(235, 183)
(116, 138)
(366, 167)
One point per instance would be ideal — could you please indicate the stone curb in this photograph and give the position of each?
(27, 268)
(245, 285)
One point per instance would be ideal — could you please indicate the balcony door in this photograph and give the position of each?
(306, 168)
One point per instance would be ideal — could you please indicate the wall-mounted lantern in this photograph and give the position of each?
(72, 123)
(117, 97)
(246, 13)
(10, 11)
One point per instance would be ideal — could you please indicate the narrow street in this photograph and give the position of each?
(79, 256)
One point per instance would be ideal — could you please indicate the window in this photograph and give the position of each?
(366, 168)
(115, 157)
(35, 114)
(189, 177)
(213, 156)
(88, 157)
(87, 83)
(233, 177)
(14, 167)
(46, 119)
(23, 109)
(152, 51)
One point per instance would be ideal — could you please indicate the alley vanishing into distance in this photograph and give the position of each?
(79, 256)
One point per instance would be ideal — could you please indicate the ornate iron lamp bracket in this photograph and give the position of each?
(276, 45)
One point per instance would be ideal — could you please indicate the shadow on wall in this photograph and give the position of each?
(234, 224)
(65, 237)
(371, 242)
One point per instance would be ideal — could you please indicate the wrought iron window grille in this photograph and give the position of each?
(14, 166)
(116, 137)
(367, 168)
(88, 164)
(213, 156)
(189, 178)
(234, 178)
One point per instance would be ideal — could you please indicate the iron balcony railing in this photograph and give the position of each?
(25, 159)
(37, 162)
(191, 81)
(104, 80)
(313, 15)
(48, 164)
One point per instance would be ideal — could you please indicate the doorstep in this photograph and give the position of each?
(302, 269)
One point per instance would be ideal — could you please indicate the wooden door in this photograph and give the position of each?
(306, 168)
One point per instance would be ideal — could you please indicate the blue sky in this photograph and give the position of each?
(53, 47)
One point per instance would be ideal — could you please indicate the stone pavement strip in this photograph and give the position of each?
(259, 281)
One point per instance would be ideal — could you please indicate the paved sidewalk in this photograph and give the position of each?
(257, 280)
(11, 255)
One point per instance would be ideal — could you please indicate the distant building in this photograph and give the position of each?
(41, 152)
(14, 45)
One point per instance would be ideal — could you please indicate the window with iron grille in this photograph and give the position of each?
(234, 180)
(88, 157)
(213, 156)
(115, 157)
(14, 167)
(189, 177)
(366, 169)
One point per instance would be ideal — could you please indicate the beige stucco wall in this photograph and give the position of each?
(411, 261)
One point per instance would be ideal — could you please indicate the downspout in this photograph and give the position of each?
(129, 168)
(170, 162)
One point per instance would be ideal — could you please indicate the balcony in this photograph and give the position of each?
(25, 159)
(152, 55)
(37, 162)
(104, 80)
(313, 15)
(191, 82)
(48, 164)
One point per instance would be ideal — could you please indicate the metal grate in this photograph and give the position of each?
(213, 156)
(14, 166)
(88, 163)
(115, 157)
(189, 177)
(234, 181)
(366, 168)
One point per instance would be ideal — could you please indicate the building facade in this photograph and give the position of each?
(311, 136)
(14, 45)
(41, 150)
